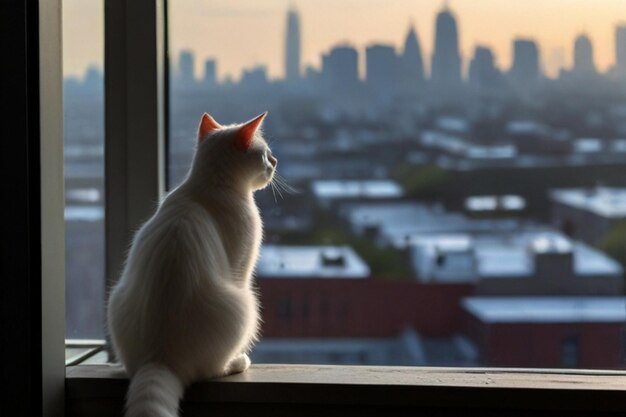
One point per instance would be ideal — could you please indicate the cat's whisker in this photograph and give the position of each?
(273, 191)
(282, 183)
(278, 190)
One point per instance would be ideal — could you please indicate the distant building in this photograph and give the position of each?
(93, 79)
(292, 47)
(583, 57)
(588, 213)
(340, 69)
(398, 224)
(525, 72)
(547, 332)
(405, 349)
(186, 76)
(620, 51)
(210, 73)
(517, 263)
(382, 68)
(412, 76)
(254, 78)
(276, 261)
(532, 137)
(483, 74)
(446, 61)
(312, 75)
(329, 192)
(495, 205)
(359, 308)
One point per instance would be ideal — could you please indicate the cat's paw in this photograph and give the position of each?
(238, 365)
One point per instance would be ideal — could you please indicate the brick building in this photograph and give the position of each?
(548, 332)
(588, 213)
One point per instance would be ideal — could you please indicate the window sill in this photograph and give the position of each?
(94, 390)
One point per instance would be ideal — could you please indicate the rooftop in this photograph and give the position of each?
(547, 309)
(482, 203)
(465, 257)
(602, 201)
(341, 189)
(311, 262)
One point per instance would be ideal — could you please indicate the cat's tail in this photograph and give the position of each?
(154, 391)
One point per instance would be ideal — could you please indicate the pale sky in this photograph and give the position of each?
(244, 33)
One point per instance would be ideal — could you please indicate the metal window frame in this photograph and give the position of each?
(135, 121)
(52, 207)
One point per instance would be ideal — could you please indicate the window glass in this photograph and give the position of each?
(83, 100)
(459, 166)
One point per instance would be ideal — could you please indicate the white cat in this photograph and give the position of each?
(184, 308)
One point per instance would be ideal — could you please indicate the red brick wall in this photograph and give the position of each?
(359, 308)
(600, 345)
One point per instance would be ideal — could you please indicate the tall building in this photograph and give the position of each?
(210, 72)
(381, 67)
(483, 74)
(583, 56)
(411, 63)
(185, 68)
(292, 47)
(525, 69)
(340, 69)
(620, 51)
(446, 62)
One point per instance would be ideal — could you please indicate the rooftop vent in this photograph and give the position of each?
(333, 258)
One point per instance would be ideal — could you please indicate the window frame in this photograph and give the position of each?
(135, 57)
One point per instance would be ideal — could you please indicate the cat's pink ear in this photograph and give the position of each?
(207, 125)
(245, 134)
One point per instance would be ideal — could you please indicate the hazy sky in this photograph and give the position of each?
(243, 33)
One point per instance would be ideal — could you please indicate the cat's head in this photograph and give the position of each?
(236, 155)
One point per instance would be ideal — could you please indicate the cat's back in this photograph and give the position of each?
(181, 241)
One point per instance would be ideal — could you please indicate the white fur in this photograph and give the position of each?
(184, 308)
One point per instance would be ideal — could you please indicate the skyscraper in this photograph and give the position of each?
(292, 47)
(620, 51)
(411, 66)
(185, 69)
(483, 74)
(446, 62)
(210, 72)
(525, 71)
(340, 69)
(381, 67)
(583, 56)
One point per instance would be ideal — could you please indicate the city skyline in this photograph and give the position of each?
(391, 69)
(262, 42)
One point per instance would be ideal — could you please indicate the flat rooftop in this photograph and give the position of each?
(367, 189)
(465, 257)
(547, 309)
(603, 201)
(282, 261)
(399, 223)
